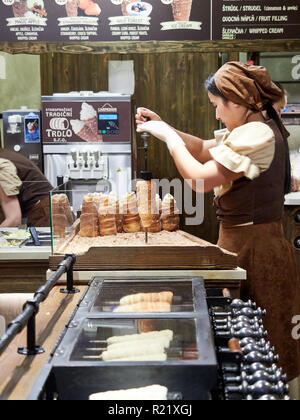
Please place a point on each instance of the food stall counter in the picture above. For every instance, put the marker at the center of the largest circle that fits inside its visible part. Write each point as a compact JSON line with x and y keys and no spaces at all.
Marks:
{"x":18,"y":372}
{"x":230,"y":279}
{"x":23,"y":265}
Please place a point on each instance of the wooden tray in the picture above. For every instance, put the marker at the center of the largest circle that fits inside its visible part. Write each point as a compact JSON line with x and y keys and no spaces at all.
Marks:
{"x":202,"y":256}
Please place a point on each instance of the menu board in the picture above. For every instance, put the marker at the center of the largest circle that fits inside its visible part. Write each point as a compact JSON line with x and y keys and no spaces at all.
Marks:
{"x":104,"y":20}
{"x":256,"y":19}
{"x":150,"y":20}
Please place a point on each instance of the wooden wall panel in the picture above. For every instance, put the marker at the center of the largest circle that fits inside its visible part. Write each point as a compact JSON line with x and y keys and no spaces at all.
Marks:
{"x":171,"y":84}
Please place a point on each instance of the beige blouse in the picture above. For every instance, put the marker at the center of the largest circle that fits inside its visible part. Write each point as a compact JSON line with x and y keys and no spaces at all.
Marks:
{"x":9,"y":180}
{"x":248,"y":149}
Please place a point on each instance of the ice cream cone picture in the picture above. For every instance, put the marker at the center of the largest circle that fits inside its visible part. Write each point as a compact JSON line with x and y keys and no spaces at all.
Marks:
{"x":182,"y":10}
{"x":83,"y":131}
{"x":89,"y":116}
{"x":72,"y":8}
{"x":20,"y":8}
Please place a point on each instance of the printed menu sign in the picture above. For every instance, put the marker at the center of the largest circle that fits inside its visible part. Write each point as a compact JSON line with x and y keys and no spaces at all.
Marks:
{"x":24,"y":20}
{"x":49,"y":20}
{"x":256,"y":19}
{"x":160,"y":20}
{"x":104,"y":20}
{"x":150,"y":20}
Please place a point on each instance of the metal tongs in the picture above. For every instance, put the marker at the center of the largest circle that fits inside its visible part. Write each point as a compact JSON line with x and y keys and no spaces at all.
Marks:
{"x":34,"y":236}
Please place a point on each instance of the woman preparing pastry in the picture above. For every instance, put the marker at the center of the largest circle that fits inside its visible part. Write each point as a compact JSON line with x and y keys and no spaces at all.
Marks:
{"x":24,"y":191}
{"x":247,"y":164}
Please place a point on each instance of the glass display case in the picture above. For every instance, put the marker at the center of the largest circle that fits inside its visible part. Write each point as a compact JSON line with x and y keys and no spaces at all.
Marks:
{"x":144,"y":295}
{"x":102,"y":350}
{"x":148,"y":340}
{"x":105,"y":232}
{"x":90,"y":358}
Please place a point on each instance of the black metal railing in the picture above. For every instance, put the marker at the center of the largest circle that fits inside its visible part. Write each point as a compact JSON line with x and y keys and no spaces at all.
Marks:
{"x":31,"y":308}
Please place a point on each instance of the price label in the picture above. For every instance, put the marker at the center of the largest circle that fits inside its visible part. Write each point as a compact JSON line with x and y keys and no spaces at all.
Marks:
{"x":167,"y":1}
{"x":117,"y":2}
{"x":8,"y":2}
{"x":61,"y":2}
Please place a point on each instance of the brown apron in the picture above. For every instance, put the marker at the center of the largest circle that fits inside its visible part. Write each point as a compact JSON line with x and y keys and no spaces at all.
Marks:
{"x":272,"y":282}
{"x":39,"y":215}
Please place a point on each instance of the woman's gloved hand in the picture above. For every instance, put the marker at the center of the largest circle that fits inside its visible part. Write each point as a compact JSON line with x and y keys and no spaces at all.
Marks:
{"x":143,"y":115}
{"x":163,"y":132}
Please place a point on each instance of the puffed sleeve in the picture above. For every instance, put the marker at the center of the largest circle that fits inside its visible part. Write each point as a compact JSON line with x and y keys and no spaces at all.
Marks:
{"x":9,"y":180}
{"x":248,"y":149}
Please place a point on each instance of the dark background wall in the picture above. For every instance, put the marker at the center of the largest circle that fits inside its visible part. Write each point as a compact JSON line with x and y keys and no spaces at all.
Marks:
{"x":172,"y":84}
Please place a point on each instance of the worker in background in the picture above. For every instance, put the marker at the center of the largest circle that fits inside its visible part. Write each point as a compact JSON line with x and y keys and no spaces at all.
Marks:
{"x":281,"y":104}
{"x":24,"y":192}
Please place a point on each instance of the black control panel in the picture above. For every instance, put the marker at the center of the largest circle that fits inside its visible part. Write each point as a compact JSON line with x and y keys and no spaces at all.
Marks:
{"x":108,"y":124}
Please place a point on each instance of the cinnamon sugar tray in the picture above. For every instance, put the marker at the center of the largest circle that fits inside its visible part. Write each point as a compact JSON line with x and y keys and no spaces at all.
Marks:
{"x":80,"y":245}
{"x":128,"y":251}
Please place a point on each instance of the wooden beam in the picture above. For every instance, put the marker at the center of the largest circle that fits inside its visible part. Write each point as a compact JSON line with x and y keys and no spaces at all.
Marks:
{"x":150,"y":46}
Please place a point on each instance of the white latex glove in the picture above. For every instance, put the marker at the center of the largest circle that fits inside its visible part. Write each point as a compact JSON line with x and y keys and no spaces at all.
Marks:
{"x":163,"y":132}
{"x":143,"y":113}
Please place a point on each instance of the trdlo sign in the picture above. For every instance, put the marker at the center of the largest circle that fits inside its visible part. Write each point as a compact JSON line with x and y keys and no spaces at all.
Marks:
{"x":150,"y":20}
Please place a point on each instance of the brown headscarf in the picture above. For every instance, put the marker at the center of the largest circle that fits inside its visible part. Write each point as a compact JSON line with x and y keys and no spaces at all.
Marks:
{"x":247,"y":85}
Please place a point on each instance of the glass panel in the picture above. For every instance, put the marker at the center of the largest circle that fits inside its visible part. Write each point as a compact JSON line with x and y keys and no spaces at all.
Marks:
{"x":64,"y":216}
{"x":136,"y":340}
{"x":146,"y":296}
{"x":102,"y":220}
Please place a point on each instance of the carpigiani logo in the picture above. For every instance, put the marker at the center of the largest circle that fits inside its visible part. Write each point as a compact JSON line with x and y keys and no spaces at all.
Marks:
{"x":107,"y":108}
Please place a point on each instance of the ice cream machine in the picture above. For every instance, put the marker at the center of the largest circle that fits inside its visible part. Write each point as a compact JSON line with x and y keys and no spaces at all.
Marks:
{"x":22,"y":133}
{"x":87,"y":142}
